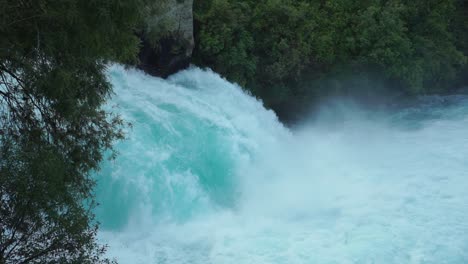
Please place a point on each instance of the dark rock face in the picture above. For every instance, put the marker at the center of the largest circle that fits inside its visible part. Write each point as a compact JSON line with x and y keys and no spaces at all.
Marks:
{"x":163,"y":60}
{"x":173,"y":50}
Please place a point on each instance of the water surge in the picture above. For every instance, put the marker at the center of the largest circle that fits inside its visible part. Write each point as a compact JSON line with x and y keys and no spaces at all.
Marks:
{"x":207,"y":175}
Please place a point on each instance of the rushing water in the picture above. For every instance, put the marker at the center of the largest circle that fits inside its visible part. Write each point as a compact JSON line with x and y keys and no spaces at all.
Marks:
{"x":207,"y":175}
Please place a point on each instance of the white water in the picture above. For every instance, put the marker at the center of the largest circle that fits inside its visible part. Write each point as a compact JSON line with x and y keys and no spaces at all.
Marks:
{"x":209,"y":176}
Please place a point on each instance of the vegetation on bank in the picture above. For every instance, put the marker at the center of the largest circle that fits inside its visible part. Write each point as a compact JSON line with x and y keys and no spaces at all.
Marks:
{"x":53,"y":129}
{"x":291,"y":52}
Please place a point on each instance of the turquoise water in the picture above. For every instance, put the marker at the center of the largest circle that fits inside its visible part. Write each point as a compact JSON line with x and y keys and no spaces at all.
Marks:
{"x":207,"y":175}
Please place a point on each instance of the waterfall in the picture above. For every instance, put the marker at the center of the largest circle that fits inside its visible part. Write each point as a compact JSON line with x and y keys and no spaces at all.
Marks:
{"x":208,"y":175}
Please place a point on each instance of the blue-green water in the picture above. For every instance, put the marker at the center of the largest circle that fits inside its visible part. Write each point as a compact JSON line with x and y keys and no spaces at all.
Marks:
{"x":207,"y":175}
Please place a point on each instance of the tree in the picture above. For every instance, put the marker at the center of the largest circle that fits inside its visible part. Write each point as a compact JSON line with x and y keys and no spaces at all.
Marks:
{"x":460,"y":32}
{"x":223,"y":39}
{"x":53,"y":129}
{"x":281,"y":50}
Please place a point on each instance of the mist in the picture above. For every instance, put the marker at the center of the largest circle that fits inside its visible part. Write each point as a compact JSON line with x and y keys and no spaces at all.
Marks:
{"x":210,"y":176}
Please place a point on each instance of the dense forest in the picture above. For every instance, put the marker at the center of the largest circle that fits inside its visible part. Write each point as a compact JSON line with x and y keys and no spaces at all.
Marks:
{"x":289,"y":53}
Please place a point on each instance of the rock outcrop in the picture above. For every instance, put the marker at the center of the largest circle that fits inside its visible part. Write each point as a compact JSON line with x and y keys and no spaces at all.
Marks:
{"x":168,"y":42}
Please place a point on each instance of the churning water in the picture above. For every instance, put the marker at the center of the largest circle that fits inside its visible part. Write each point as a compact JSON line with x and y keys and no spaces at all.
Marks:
{"x":207,"y":175}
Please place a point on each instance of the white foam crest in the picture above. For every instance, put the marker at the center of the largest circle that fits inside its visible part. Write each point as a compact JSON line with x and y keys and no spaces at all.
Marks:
{"x":357,"y":189}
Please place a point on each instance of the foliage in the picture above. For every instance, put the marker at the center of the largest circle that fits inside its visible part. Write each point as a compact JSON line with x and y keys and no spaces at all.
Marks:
{"x":272,"y":47}
{"x":52,"y":125}
{"x":226,"y":43}
{"x":460,"y":29}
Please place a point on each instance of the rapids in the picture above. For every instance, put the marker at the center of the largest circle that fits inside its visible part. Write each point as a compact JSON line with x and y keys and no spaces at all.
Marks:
{"x":208,"y":175}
